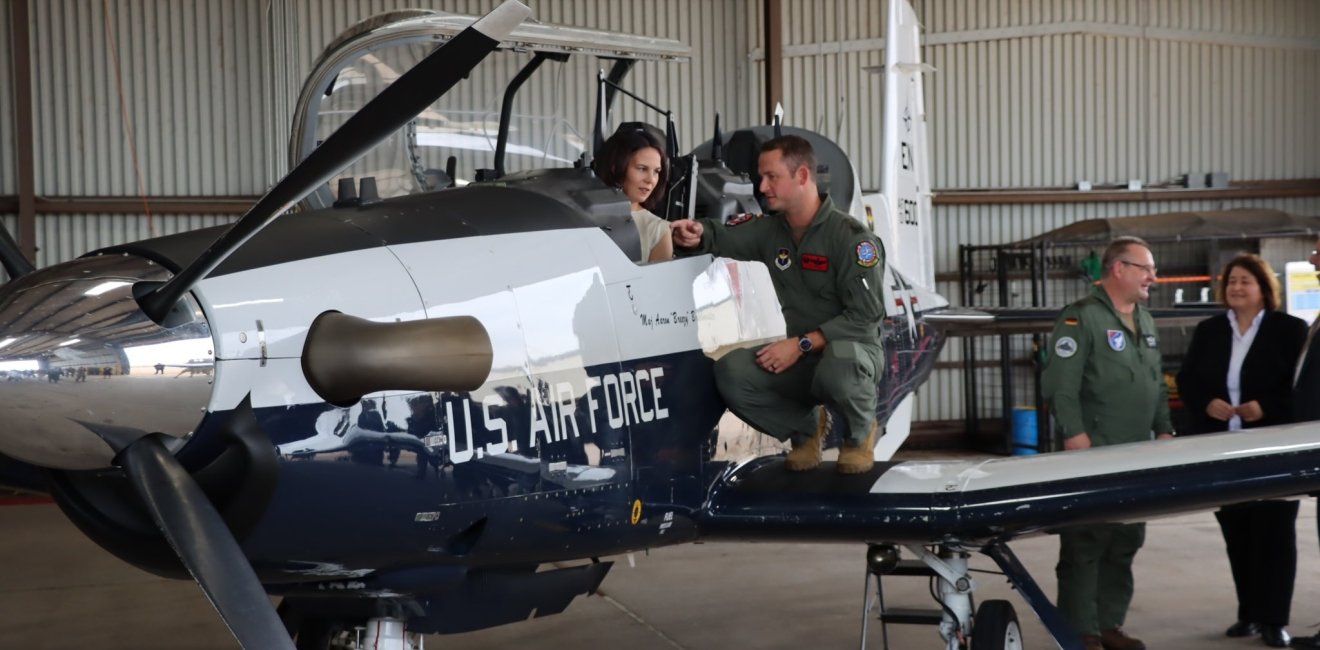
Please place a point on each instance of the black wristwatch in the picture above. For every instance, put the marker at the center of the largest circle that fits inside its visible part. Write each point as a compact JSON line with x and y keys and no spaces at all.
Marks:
{"x":804,"y":344}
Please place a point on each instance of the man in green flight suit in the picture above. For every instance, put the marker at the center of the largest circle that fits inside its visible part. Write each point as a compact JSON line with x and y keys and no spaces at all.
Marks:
{"x":828,"y":270}
{"x":1105,"y":386}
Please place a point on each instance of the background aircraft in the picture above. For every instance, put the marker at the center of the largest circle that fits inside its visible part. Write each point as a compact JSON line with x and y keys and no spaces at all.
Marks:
{"x":421,"y":402}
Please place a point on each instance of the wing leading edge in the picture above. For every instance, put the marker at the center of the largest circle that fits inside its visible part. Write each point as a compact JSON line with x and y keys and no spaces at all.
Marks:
{"x":975,"y":321}
{"x":984,"y":501}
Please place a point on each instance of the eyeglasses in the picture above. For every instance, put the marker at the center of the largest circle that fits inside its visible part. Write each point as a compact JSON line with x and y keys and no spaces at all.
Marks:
{"x":1149,"y":268}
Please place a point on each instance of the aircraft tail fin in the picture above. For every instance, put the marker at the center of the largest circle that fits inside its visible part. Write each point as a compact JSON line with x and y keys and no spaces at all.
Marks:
{"x":902,"y":210}
{"x":900,"y":213}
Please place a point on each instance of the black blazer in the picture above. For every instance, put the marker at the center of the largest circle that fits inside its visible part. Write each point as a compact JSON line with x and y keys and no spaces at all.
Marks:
{"x":1267,"y":371}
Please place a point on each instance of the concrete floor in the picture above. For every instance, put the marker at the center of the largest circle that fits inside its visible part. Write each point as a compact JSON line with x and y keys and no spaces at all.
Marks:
{"x":59,"y":591}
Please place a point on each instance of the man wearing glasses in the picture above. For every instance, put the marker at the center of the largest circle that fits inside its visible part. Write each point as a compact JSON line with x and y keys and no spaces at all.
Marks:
{"x":1105,"y":386}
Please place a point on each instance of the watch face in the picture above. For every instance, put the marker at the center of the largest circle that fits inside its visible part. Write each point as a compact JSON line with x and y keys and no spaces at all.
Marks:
{"x":804,"y":344}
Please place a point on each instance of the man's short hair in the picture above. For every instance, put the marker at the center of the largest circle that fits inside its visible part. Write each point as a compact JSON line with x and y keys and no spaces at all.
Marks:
{"x":1259,"y":269}
{"x":1119,"y":246}
{"x":796,"y":151}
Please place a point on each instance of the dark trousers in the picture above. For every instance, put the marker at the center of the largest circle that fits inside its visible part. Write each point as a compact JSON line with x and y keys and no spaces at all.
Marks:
{"x":1262,"y":551}
{"x":1095,"y":574}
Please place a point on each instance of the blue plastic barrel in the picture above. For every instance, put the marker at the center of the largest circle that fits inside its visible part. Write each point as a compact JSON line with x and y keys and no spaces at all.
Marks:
{"x":1024,"y":431}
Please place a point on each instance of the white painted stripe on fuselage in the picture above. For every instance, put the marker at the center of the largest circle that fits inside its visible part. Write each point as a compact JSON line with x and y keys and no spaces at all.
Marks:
{"x":553,"y":302}
{"x":968,"y":476}
{"x":286,"y":298}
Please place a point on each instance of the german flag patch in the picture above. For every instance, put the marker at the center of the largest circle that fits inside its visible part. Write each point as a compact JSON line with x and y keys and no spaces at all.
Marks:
{"x":1070,"y":321}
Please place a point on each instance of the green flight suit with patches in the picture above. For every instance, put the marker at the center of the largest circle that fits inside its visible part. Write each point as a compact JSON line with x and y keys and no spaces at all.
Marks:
{"x":1107,"y":381}
{"x":833,"y":282}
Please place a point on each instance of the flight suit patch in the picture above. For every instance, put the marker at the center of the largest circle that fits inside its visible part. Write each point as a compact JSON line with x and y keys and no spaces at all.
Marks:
{"x":1065,"y":347}
{"x":1070,"y":321}
{"x":783,"y":259}
{"x":867,"y":256}
{"x":739,"y":220}
{"x":815,"y":262}
{"x":1151,"y":342}
{"x":1117,"y":342}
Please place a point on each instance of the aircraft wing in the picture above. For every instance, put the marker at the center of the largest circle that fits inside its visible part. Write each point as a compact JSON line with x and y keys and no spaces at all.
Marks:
{"x":963,"y":321}
{"x":977,"y":502}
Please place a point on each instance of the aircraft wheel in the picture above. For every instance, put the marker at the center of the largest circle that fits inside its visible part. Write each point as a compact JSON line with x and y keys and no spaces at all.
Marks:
{"x":320,"y":634}
{"x":996,"y":627}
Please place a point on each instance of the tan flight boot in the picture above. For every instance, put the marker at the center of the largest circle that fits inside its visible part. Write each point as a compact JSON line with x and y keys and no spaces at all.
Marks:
{"x":857,"y":459}
{"x":1117,"y":639}
{"x":805,"y":456}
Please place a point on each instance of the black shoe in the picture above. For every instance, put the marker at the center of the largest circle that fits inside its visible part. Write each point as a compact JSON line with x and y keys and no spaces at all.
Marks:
{"x":1275,"y":636}
{"x":1241,"y":629}
{"x":1306,"y":642}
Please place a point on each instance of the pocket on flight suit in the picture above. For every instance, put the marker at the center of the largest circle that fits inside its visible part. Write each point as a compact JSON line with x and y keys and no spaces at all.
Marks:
{"x":858,"y":356}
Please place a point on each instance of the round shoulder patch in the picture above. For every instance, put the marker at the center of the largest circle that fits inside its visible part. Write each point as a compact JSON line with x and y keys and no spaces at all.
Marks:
{"x":1065,"y":347}
{"x":867,"y":255}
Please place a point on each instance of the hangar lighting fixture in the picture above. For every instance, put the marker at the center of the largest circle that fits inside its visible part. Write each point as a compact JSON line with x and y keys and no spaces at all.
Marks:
{"x":8,"y":342}
{"x":69,"y":342}
{"x":105,"y":286}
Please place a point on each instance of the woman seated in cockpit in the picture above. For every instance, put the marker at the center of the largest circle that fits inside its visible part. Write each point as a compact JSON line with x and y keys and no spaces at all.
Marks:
{"x":634,"y":161}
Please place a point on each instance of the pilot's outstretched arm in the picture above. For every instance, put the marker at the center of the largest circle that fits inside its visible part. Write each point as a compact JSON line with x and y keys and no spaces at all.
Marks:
{"x":743,"y":238}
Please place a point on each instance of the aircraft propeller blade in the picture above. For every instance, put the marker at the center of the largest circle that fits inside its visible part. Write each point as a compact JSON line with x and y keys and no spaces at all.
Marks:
{"x":389,"y":111}
{"x":11,"y":256}
{"x":202,"y":540}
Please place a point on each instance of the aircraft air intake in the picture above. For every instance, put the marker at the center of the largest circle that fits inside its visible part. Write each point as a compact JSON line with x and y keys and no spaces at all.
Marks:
{"x":346,"y":357}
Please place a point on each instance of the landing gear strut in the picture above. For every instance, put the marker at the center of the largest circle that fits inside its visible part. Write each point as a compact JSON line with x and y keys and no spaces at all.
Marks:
{"x":320,"y":633}
{"x":995,"y":624}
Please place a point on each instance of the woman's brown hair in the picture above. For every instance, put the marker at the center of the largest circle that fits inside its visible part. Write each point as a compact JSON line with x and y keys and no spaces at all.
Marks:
{"x":1259,"y":269}
{"x":612,"y":163}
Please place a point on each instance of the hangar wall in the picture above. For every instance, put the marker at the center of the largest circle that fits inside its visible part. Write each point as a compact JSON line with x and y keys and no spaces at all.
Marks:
{"x":8,"y":182}
{"x":1043,"y":95}
{"x":1027,"y":95}
{"x":713,"y":81}
{"x":189,"y":73}
{"x":210,"y":88}
{"x":1102,"y":91}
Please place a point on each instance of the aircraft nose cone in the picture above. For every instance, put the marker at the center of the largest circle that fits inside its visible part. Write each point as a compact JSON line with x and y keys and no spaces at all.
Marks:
{"x":80,"y":361}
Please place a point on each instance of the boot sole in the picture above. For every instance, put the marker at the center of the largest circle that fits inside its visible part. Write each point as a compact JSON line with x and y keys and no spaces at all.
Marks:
{"x":801,"y":467}
{"x":854,"y":469}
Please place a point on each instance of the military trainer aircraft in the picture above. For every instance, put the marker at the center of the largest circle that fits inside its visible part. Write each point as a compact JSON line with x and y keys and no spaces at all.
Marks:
{"x":411,"y":417}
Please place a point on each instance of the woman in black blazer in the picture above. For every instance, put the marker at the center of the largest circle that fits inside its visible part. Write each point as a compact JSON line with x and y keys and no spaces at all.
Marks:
{"x":1237,"y":375}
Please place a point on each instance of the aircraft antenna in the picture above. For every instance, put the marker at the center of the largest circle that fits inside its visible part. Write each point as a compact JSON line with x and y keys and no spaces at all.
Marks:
{"x":388,"y":112}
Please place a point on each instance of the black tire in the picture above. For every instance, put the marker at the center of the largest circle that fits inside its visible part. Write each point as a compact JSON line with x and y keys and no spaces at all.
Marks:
{"x":996,"y":627}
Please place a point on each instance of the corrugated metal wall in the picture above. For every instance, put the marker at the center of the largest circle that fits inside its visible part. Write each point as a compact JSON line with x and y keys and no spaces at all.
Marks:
{"x":713,"y":81}
{"x":1047,"y":94}
{"x":186,"y":73}
{"x":8,"y":175}
{"x":1026,"y":95}
{"x":1030,"y":95}
{"x":66,"y":236}
{"x":942,"y":398}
